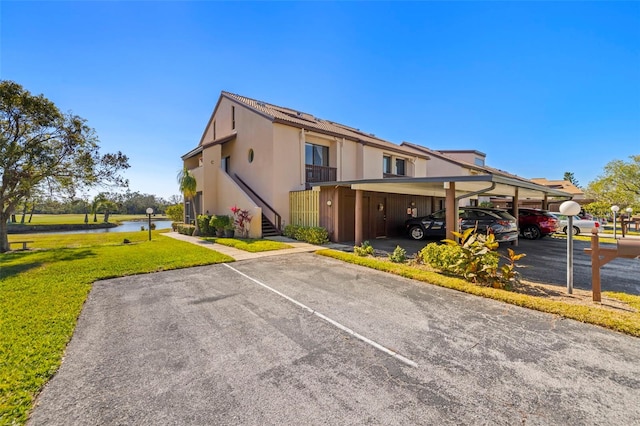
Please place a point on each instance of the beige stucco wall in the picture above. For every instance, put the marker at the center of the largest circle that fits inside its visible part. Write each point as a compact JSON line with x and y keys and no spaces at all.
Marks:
{"x":229,"y":194}
{"x":469,"y":157}
{"x":438,"y":167}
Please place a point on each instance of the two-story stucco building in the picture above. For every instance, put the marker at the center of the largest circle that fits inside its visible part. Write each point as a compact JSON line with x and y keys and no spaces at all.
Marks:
{"x":287,"y":166}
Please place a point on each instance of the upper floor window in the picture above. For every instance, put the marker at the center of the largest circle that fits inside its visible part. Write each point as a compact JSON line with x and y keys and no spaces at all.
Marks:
{"x":316,"y":155}
{"x":400,"y":169}
{"x":478,"y":161}
{"x":214,"y":130}
{"x":386,"y":164}
{"x":233,"y":117}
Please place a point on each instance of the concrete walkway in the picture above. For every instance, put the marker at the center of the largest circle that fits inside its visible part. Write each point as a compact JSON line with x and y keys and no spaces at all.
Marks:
{"x":298,"y":247}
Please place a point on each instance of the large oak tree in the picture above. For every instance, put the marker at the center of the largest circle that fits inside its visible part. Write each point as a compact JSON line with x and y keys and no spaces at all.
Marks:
{"x":41,"y":146}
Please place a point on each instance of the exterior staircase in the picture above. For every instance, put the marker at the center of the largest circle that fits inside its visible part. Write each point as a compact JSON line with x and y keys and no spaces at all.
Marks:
{"x":268,"y":230}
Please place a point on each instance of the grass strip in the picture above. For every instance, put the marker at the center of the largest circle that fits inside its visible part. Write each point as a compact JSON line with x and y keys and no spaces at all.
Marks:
{"x":250,"y":245}
{"x":77,"y":219}
{"x":43,"y":291}
{"x":625,"y":322}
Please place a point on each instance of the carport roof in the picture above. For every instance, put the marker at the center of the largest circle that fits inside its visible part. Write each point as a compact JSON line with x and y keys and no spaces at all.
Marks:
{"x":486,"y":185}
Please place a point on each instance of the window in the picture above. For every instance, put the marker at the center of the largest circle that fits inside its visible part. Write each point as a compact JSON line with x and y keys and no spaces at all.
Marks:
{"x":316,"y":155}
{"x":478,"y":161}
{"x":400,"y":167}
{"x":233,"y":117}
{"x":214,"y":130}
{"x":386,"y":164}
{"x":224,"y":164}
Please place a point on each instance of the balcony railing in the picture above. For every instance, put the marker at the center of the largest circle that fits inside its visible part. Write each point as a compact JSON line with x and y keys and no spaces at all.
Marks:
{"x":320,"y":173}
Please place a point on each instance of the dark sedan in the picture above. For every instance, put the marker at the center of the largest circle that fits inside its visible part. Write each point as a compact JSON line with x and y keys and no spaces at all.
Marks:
{"x":495,"y":221}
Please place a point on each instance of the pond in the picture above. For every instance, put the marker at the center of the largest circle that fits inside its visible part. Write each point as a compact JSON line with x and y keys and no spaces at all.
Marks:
{"x":126,"y":226}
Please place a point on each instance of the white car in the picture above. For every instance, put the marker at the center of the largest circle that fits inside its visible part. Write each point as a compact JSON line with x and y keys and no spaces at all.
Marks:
{"x":583,"y":226}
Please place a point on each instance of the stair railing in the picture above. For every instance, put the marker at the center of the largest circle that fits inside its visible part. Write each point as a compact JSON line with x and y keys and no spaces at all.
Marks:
{"x":278,"y":219}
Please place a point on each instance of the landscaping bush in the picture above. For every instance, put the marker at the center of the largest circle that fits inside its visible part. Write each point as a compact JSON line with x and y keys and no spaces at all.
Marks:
{"x":440,"y":256}
{"x":473,"y":257}
{"x":290,"y":231}
{"x":309,"y":234}
{"x":219,"y":223}
{"x":186,"y":229}
{"x":365,"y":249}
{"x":399,"y":255}
{"x":312,"y":234}
{"x":174,"y":225}
{"x":203,"y":224}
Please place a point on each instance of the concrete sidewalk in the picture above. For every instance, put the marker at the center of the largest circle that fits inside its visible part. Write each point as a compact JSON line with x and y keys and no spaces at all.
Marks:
{"x":298,"y":247}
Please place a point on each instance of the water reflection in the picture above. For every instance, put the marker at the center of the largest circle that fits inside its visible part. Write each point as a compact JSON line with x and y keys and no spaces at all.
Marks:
{"x":126,"y":226}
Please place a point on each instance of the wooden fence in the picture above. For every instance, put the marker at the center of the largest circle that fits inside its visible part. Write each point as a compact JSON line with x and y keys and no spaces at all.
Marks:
{"x":304,"y":208}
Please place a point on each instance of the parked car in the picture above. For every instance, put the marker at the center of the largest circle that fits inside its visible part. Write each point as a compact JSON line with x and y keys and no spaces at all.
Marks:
{"x":536,"y":223}
{"x":499,"y":222}
{"x":579,"y":225}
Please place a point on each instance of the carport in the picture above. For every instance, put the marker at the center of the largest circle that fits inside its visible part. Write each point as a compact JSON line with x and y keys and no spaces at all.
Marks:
{"x":451,"y":188}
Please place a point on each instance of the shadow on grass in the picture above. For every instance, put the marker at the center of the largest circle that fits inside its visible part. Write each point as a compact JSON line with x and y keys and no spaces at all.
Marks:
{"x":34,"y":259}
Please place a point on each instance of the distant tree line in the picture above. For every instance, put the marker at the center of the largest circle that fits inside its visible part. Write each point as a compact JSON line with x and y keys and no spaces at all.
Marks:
{"x":103,"y":203}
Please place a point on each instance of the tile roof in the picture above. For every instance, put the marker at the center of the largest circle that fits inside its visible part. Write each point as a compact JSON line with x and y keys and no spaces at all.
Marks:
{"x":563,"y":185}
{"x":309,"y":122}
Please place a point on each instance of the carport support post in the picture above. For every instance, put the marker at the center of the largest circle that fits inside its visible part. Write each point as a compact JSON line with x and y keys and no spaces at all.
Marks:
{"x":595,"y":265}
{"x":358,"y":218}
{"x":515,"y":201}
{"x":451,"y":205}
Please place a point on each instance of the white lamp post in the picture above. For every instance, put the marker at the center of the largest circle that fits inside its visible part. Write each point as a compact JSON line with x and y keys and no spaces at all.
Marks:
{"x":570,"y":209}
{"x":615,"y":210}
{"x":629,"y":210}
{"x":149,"y":213}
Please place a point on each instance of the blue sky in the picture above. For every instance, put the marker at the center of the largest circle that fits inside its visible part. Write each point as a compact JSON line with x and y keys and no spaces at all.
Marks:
{"x":540,"y":87}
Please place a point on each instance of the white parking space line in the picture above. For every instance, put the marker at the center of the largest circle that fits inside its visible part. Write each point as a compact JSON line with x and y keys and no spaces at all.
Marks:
{"x":358,"y":336}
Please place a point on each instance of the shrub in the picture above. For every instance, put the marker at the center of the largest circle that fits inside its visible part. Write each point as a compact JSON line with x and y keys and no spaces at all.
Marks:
{"x":399,"y":255}
{"x":312,"y":234}
{"x":174,"y":225}
{"x":475,"y":258}
{"x":219,"y":222}
{"x":186,"y":229}
{"x":440,"y":256}
{"x":365,"y":249}
{"x":242,"y":220}
{"x":309,"y":234}
{"x":203,"y":224}
{"x":290,"y":231}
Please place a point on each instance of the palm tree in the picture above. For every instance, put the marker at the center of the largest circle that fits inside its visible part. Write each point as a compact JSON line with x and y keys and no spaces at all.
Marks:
{"x":188,"y":186}
{"x":96,"y":204}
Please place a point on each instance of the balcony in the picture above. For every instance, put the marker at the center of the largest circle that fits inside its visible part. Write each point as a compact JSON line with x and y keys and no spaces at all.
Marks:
{"x":319,"y":174}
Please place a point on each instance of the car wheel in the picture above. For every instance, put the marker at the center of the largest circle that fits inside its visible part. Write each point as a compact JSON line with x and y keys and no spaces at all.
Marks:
{"x":531,"y":232}
{"x":576,"y":230}
{"x":416,"y":233}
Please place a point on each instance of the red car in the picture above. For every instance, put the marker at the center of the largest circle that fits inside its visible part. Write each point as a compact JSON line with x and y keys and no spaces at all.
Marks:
{"x":536,"y":223}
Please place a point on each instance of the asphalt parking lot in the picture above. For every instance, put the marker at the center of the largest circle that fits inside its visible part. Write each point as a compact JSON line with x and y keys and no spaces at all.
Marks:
{"x":546,"y":262}
{"x":304,"y":339}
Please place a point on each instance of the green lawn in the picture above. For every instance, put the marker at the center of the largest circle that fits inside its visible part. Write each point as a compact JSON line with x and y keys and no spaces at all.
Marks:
{"x":75,"y":219}
{"x":43,"y":291}
{"x":250,"y":245}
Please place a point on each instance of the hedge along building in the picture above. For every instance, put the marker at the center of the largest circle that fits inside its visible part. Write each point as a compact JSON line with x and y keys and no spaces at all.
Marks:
{"x":289,"y":167}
